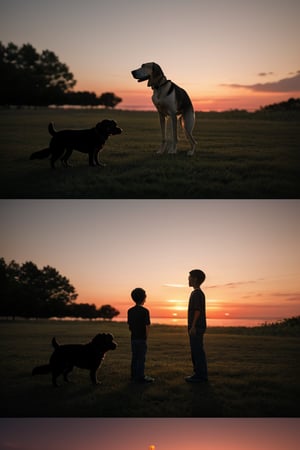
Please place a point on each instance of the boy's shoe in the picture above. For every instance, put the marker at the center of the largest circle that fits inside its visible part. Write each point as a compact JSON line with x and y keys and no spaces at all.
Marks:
{"x":146,"y":379}
{"x":195,"y":379}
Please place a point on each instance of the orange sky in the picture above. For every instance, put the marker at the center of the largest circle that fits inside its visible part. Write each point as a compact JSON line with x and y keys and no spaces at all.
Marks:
{"x":139,"y":434}
{"x":249,"y":251}
{"x":225,"y":53}
{"x":220,"y":100}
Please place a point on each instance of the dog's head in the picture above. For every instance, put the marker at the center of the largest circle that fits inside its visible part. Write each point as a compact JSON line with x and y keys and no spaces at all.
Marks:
{"x":151,"y":72}
{"x":108,"y":127}
{"x":104,"y":342}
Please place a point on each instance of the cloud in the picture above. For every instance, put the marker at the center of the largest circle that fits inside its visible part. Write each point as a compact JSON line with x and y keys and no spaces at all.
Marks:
{"x":290,"y":296}
{"x":175,"y":285}
{"x":233,"y":284}
{"x":264,"y":74}
{"x":291,"y":84}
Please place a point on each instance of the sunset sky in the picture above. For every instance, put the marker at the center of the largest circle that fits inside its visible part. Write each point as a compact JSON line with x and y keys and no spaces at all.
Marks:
{"x":225,"y":53}
{"x":139,"y":434}
{"x":249,"y":251}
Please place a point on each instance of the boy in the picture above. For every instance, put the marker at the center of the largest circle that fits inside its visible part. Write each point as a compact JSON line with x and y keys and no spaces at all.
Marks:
{"x":139,"y":323}
{"x":197,"y":327}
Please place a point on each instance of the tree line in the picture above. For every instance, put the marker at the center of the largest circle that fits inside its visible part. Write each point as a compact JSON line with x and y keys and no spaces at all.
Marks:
{"x":292,"y":104}
{"x":29,"y":292}
{"x":40,"y":79}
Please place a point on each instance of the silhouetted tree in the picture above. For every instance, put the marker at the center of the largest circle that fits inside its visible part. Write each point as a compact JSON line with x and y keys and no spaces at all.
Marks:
{"x":107,"y":312}
{"x":83,"y":310}
{"x":83,"y":98}
{"x":29,"y":78}
{"x":27,"y":291}
{"x":109,"y":100}
{"x":292,"y":104}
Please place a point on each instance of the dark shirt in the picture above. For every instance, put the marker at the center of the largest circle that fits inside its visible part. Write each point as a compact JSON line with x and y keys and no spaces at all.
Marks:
{"x":138,"y":319}
{"x":197,"y":303}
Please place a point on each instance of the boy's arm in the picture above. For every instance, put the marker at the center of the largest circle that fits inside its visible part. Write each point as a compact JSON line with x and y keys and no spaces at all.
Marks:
{"x":195,"y":318}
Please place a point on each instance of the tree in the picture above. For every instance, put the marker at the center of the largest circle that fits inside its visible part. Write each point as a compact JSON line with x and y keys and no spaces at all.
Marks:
{"x":29,"y":78}
{"x":292,"y":104}
{"x":28,"y":291}
{"x":108,"y":312}
{"x":83,"y":98}
{"x":83,"y":311}
{"x":109,"y":100}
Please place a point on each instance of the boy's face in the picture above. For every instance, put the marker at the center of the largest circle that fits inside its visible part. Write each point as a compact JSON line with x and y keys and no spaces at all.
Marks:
{"x":143,"y":301}
{"x":193,"y":281}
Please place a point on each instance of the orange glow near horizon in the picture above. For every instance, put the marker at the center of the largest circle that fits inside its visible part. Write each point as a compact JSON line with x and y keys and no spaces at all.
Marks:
{"x":203,"y":98}
{"x":227,"y":306}
{"x":135,"y":433}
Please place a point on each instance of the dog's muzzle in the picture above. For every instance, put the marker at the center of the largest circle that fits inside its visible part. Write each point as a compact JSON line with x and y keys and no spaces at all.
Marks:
{"x":140,"y":75}
{"x":117,"y":130}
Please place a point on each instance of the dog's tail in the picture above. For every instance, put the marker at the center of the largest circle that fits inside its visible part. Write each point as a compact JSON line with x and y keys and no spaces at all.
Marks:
{"x":55,"y":344}
{"x":51,"y":129}
{"x":41,"y":370}
{"x":41,"y":154}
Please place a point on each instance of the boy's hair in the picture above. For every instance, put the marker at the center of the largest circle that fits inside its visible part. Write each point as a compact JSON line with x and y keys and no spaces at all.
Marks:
{"x":198,"y":274}
{"x":138,"y":295}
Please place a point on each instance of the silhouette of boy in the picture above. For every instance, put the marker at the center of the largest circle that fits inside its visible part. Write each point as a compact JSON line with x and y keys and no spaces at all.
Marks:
{"x":197,"y":327}
{"x":138,"y":319}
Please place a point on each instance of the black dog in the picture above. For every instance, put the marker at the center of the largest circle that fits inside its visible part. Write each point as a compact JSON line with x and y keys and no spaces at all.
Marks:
{"x":88,"y":356}
{"x":89,"y":141}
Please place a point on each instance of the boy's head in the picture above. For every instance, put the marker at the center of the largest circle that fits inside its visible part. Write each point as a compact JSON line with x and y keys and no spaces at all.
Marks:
{"x":138,"y":295}
{"x":196,"y":277}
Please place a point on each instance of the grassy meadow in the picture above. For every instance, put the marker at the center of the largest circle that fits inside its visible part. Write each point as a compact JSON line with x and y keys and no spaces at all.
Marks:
{"x":250,"y":375}
{"x":237,"y":156}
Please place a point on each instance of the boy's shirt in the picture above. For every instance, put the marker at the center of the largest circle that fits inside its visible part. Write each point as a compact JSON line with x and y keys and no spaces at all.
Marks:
{"x":138,"y":319}
{"x":197,"y":302}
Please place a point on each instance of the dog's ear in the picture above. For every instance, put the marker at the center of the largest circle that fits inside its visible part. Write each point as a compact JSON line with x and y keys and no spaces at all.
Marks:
{"x":156,"y":75}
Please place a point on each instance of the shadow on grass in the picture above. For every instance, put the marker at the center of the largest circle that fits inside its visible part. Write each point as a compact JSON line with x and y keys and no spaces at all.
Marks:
{"x":125,"y":399}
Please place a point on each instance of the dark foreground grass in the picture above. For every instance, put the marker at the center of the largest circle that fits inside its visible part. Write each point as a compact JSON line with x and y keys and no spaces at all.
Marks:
{"x":250,"y":376}
{"x":237,"y":157}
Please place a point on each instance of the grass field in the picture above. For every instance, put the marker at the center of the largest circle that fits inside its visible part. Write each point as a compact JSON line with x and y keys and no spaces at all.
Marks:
{"x":250,"y":375}
{"x":247,"y":156}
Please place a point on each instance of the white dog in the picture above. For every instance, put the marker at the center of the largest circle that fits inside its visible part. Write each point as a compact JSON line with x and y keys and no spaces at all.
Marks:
{"x":170,"y":100}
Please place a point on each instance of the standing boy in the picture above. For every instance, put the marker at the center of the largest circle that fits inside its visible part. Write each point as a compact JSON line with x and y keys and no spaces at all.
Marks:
{"x":197,"y":327}
{"x":139,"y":323}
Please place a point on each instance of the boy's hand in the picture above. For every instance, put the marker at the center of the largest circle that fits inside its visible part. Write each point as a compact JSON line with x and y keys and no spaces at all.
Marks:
{"x":192,"y":331}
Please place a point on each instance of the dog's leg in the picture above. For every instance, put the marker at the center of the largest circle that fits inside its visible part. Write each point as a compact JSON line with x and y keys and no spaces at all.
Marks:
{"x":65,"y":157}
{"x":57,"y":152}
{"x":55,"y":374}
{"x":163,"y":146}
{"x":96,"y":158}
{"x":93,"y":376}
{"x":188,"y":121}
{"x":91,"y":158}
{"x":66,"y":372}
{"x":173,"y":148}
